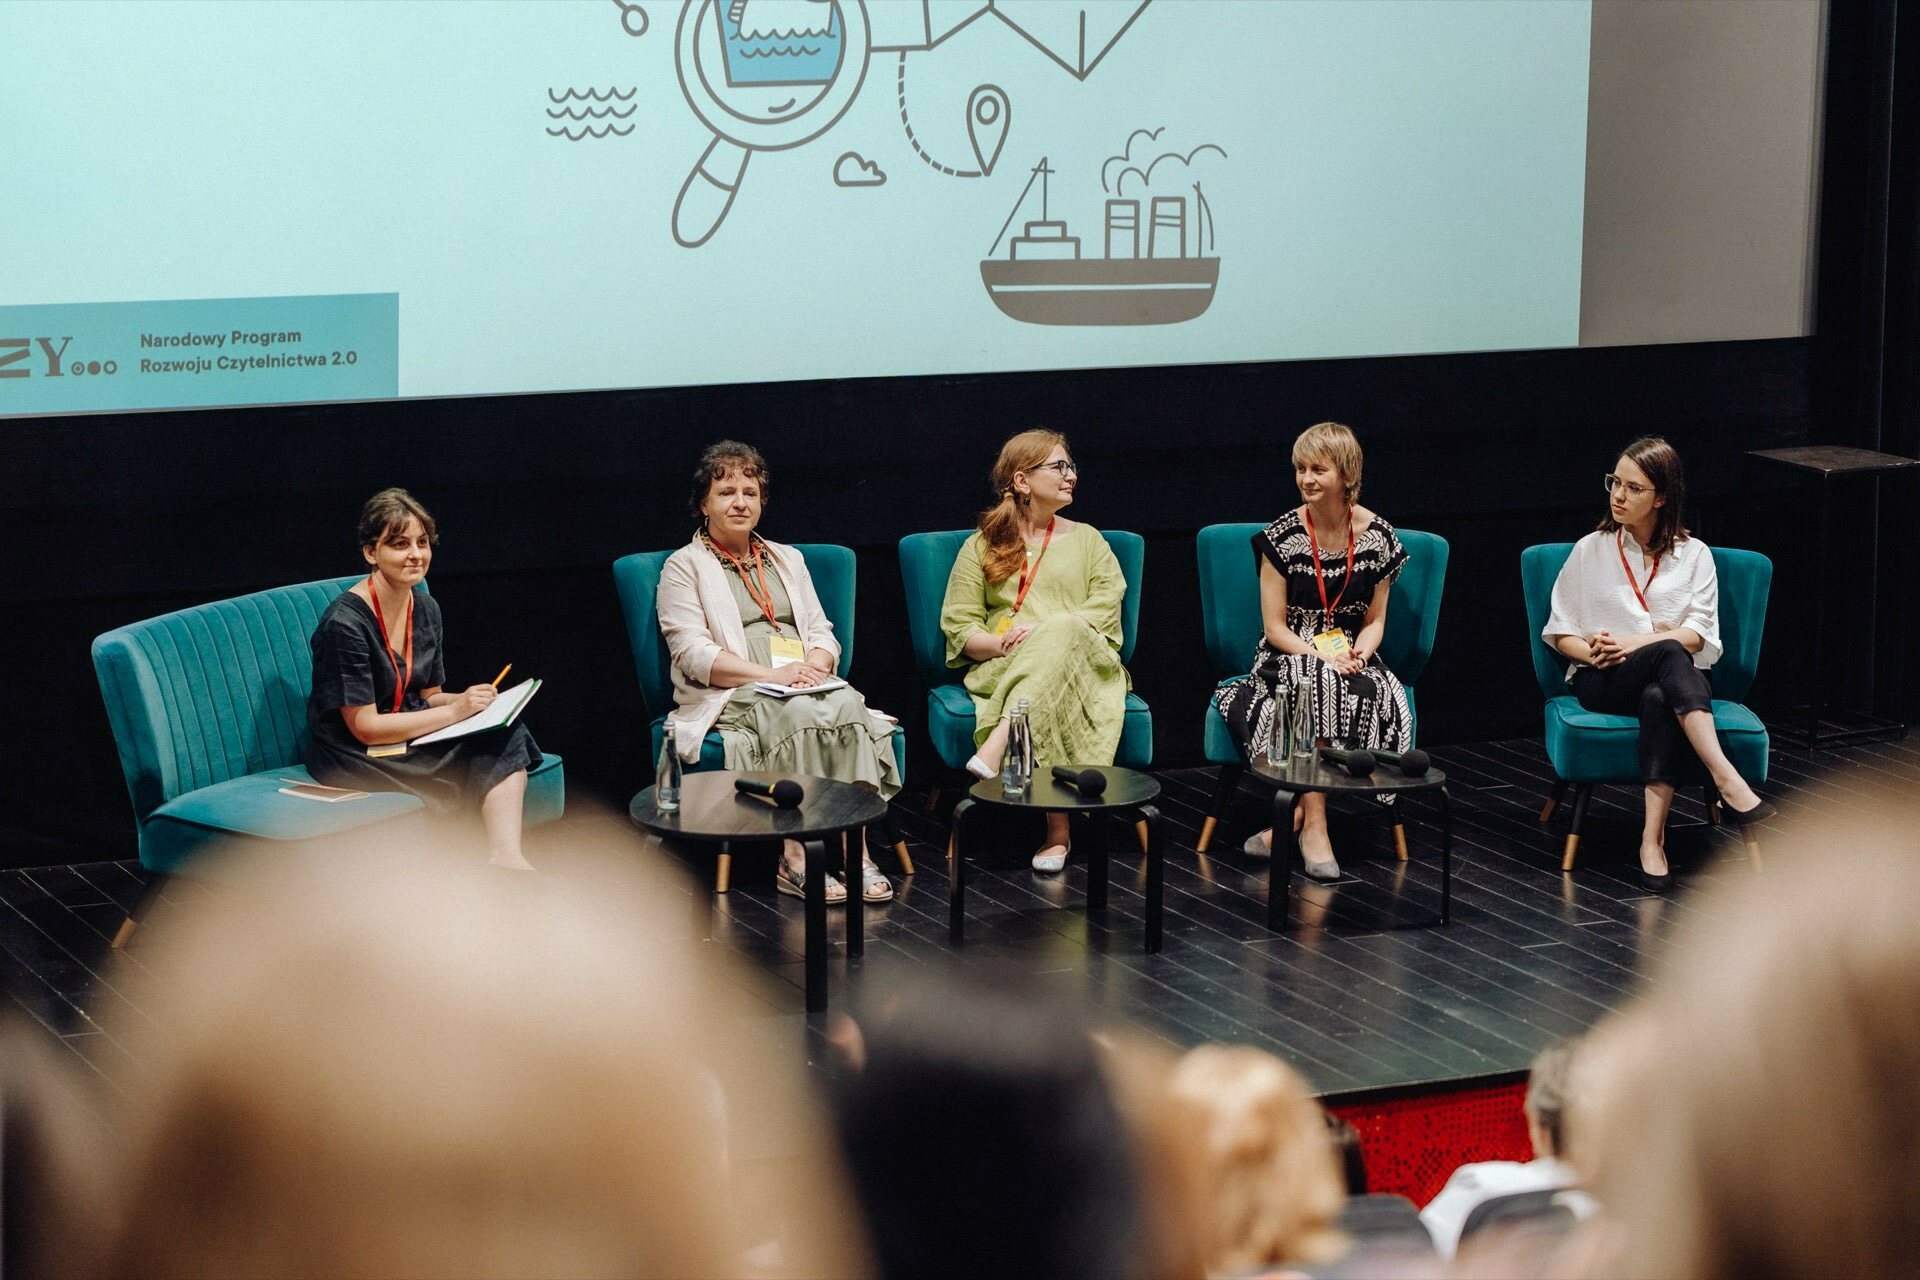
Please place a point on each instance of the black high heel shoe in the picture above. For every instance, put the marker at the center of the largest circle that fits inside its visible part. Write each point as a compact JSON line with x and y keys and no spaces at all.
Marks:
{"x":1656,"y":884}
{"x":1758,"y":814}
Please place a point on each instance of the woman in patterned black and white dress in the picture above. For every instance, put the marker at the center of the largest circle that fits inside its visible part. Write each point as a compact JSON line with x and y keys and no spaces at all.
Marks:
{"x":1325,"y":571}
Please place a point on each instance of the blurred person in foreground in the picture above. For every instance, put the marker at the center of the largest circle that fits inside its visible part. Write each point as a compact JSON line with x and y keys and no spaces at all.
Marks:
{"x":985,"y":1139}
{"x":1270,"y":1184}
{"x":382,"y":1066}
{"x":1474,"y":1184}
{"x":1770,"y":1124}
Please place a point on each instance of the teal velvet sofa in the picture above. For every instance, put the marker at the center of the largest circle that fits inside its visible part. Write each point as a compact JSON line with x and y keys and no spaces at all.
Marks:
{"x":1230,"y":622}
{"x":208,"y":708}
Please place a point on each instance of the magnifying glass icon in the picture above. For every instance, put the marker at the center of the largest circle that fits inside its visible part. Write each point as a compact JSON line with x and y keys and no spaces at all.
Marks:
{"x":763,"y":75}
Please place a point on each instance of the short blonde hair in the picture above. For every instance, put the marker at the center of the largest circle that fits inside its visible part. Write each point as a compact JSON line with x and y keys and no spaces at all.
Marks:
{"x":1272,"y":1188}
{"x":1337,"y":444}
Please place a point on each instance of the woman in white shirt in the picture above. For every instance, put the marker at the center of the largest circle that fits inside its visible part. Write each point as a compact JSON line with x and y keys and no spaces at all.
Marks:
{"x":1637,"y":609}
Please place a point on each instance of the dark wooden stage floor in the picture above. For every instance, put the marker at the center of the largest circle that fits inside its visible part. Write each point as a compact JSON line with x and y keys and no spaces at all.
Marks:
{"x":1354,"y":1001}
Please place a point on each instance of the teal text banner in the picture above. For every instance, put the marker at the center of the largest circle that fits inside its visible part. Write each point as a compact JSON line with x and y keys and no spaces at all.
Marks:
{"x":92,"y":357}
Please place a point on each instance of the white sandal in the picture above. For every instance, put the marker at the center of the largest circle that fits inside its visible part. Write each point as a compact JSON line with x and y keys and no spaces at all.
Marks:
{"x":793,"y":883}
{"x":874,"y":887}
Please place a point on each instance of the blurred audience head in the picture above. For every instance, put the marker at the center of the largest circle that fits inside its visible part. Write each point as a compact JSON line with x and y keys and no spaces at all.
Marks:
{"x":1773,"y":1128}
{"x":1547,"y":1099}
{"x":1271,"y":1186}
{"x":402,"y":1068}
{"x":55,"y":1150}
{"x":984,"y":1139}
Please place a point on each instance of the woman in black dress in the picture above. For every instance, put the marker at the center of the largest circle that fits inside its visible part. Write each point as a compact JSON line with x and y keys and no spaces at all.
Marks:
{"x":377,"y":677}
{"x":1325,"y":570}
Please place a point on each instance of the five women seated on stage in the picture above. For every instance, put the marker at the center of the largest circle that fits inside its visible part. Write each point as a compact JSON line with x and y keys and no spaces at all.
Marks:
{"x":1032,"y":613}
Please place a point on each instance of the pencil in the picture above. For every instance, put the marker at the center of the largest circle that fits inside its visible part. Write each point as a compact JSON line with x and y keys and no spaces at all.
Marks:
{"x":503,"y":675}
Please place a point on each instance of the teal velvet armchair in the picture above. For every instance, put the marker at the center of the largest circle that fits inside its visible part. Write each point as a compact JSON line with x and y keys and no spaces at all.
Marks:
{"x":1586,"y":747}
{"x":637,"y":579}
{"x":208,"y":708}
{"x":1230,"y":619}
{"x":926,"y":562}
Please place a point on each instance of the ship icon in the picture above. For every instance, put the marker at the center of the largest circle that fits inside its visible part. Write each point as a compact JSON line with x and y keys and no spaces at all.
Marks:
{"x":1045,"y":280}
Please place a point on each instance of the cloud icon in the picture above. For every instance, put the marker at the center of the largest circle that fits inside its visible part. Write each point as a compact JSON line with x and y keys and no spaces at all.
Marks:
{"x":851,"y":171}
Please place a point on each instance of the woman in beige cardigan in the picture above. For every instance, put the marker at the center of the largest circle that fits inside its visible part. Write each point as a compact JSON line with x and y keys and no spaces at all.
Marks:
{"x":737,"y":609}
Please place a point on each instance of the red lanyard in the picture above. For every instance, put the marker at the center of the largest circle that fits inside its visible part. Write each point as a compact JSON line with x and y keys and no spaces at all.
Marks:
{"x":1638,"y":594}
{"x":401,"y":681}
{"x":764,"y":595}
{"x":1032,"y":571}
{"x":1319,"y":574}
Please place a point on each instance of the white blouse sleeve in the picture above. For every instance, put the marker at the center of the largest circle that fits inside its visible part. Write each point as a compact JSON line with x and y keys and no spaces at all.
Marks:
{"x":1702,"y":614}
{"x":1563,"y":617}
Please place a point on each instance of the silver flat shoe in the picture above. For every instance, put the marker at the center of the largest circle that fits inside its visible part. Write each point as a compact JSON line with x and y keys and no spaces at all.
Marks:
{"x":1328,"y":870}
{"x":1254,"y":848}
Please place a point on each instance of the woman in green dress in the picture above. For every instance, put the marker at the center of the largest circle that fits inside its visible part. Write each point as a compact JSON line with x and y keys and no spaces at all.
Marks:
{"x":737,"y":609}
{"x":1033,"y":612}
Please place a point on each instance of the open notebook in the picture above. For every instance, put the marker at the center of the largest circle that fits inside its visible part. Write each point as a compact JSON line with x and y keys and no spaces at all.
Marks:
{"x":503,"y":711}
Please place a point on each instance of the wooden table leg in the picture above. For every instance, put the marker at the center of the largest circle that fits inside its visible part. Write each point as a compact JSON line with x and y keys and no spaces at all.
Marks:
{"x":1156,"y":877}
{"x":957,"y":872}
{"x":815,"y":893}
{"x":1094,"y":828}
{"x":851,"y":842}
{"x":1280,"y":861}
{"x":703,"y":904}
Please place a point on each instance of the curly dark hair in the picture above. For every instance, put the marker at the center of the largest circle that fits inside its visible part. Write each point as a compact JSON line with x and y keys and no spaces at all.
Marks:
{"x":721,"y":457}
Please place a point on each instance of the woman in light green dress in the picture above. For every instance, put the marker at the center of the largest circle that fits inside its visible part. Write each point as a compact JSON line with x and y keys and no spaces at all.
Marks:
{"x":738,"y":610}
{"x":1033,"y":612}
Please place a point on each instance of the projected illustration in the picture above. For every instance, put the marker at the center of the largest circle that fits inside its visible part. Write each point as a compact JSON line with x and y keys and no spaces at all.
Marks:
{"x":579,"y":114}
{"x":1161,"y":271}
{"x":768,"y":75}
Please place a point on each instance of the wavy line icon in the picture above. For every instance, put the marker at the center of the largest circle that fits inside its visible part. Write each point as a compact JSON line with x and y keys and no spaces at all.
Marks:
{"x":611,"y":131}
{"x":591,"y":94}
{"x":592,"y":113}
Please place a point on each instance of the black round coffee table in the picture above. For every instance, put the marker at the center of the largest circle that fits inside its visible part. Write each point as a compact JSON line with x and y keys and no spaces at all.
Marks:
{"x":1127,"y":791}
{"x":1298,"y":777}
{"x":713,"y":812}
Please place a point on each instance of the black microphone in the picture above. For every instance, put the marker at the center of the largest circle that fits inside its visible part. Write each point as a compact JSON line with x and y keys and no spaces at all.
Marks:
{"x":1088,"y":782}
{"x":1413,"y":763}
{"x":786,"y":793}
{"x":1357,"y":763}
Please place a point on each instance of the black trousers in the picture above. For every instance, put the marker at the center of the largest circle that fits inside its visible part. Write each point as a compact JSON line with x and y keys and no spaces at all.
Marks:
{"x":1657,"y":683}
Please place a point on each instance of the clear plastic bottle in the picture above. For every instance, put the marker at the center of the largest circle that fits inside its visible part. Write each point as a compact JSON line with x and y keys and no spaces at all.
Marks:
{"x":1280,"y":729}
{"x":1300,"y":713}
{"x":666,"y":773}
{"x":1016,"y":766}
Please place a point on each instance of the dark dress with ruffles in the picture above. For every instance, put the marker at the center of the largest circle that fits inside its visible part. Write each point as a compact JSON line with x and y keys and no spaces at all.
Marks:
{"x":1366,"y":709}
{"x":352,"y":667}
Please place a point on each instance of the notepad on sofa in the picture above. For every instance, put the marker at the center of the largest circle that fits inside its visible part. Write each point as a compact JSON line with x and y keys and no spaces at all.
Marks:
{"x":773,"y":690}
{"x":502,"y":711}
{"x":317,"y":791}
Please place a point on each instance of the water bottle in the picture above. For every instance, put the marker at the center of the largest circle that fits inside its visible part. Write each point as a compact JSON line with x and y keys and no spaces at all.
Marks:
{"x":1300,"y":712}
{"x":1280,"y":729}
{"x":666,"y":773}
{"x":1016,"y":766}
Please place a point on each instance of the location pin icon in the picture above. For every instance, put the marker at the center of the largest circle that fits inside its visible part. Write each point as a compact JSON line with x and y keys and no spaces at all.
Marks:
{"x":988,"y":116}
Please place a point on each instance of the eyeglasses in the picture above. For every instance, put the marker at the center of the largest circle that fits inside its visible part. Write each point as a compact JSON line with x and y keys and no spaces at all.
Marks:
{"x":1612,"y":482}
{"x":1062,"y":468}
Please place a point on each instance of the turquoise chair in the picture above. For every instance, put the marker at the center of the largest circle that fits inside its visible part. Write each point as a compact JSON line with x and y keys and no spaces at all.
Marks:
{"x":926,"y":562}
{"x":1230,"y":618}
{"x":637,"y":578}
{"x":1586,"y":747}
{"x":208,"y":708}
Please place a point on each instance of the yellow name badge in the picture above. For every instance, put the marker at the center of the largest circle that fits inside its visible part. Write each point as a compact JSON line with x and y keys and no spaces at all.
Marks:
{"x":785,"y":649}
{"x":1331,"y":644}
{"x":1003,"y":626}
{"x":391,"y":749}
